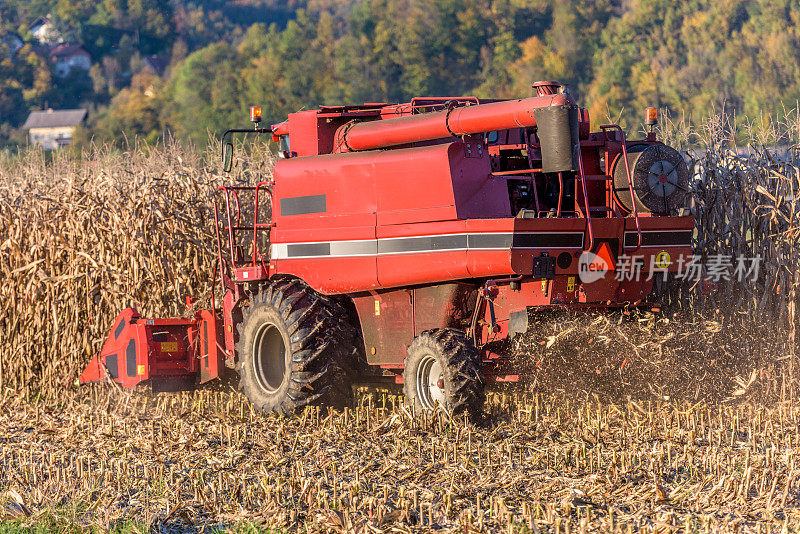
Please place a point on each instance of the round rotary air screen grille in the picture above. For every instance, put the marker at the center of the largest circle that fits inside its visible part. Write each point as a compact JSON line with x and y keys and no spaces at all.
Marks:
{"x":660,"y":179}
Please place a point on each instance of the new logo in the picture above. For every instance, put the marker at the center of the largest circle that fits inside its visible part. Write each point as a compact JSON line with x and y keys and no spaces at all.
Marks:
{"x":593,"y":266}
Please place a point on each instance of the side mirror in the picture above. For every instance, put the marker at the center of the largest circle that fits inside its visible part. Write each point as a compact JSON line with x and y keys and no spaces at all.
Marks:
{"x":227,"y":156}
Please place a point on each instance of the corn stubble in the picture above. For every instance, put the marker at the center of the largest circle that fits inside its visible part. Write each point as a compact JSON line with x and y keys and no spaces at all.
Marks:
{"x":181,"y":462}
{"x":634,"y":422}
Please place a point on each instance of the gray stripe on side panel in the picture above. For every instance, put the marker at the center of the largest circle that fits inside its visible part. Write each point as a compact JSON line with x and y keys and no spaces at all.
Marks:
{"x":303,"y":205}
{"x":420,"y":244}
{"x":660,"y":238}
{"x":549,"y":240}
{"x":425,"y":244}
{"x":308,"y":249}
{"x":478,"y":241}
{"x":354,"y":248}
{"x":333,"y":248}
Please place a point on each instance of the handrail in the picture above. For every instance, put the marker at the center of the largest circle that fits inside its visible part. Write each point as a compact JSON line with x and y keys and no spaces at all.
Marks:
{"x":238,"y":207}
{"x":237,"y":226}
{"x":222,"y":262}
{"x":255,"y":219}
{"x":586,"y":202}
{"x":230,"y":224}
{"x":433,"y":101}
{"x":213,"y":285}
{"x":533,"y":172}
{"x":617,"y":127}
{"x":516,"y":172}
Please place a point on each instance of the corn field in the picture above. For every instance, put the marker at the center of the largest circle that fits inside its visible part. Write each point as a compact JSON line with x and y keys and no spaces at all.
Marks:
{"x":81,"y":238}
{"x":745,"y":203}
{"x":681,"y":422}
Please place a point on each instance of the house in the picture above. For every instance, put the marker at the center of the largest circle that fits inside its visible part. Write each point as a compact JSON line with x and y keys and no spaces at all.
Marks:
{"x":68,"y":57}
{"x":51,"y":129}
{"x":44,"y":31}
{"x":156,"y":65}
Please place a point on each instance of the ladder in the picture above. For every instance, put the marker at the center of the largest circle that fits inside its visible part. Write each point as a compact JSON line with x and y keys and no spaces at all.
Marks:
{"x":607,"y":128}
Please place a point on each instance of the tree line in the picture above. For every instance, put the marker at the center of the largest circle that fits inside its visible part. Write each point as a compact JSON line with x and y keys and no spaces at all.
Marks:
{"x":616,"y":56}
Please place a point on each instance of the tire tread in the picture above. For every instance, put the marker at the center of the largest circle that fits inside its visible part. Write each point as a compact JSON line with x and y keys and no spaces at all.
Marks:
{"x":320,"y":340}
{"x":462,"y":363}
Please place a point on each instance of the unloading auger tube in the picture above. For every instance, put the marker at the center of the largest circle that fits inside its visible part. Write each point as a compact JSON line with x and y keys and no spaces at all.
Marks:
{"x":455,"y":122}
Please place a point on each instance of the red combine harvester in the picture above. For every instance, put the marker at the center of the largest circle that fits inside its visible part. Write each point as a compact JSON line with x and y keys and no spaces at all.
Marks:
{"x":408,"y":243}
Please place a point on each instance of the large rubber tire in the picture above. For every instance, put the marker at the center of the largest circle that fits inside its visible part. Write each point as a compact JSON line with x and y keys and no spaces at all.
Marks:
{"x":293,"y":346}
{"x":443,"y":367}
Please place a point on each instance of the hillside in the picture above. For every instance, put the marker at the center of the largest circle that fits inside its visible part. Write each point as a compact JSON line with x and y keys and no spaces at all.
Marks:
{"x":189,"y":67}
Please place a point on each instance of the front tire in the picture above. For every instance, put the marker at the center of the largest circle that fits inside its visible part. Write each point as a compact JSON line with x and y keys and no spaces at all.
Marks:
{"x":292,"y":346}
{"x":443,"y":368}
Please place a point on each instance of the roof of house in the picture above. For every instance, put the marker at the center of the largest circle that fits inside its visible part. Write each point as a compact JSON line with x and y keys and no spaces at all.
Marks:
{"x":58,"y":118}
{"x":67,"y":50}
{"x":158,"y":64}
{"x":40,"y":21}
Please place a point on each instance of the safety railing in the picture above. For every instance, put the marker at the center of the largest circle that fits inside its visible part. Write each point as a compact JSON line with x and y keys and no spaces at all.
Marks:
{"x":615,"y":127}
{"x":233,"y":215}
{"x":422,"y":104}
{"x":588,"y":210}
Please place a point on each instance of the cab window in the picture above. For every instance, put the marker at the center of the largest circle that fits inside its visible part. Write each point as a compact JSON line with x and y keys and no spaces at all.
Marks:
{"x":283,"y":146}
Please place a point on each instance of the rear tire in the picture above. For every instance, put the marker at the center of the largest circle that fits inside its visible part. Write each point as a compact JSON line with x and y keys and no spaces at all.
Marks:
{"x":443,"y":368}
{"x":293,"y":345}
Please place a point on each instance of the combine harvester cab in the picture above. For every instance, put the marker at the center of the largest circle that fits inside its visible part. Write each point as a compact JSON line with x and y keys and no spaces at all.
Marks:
{"x":406,"y":243}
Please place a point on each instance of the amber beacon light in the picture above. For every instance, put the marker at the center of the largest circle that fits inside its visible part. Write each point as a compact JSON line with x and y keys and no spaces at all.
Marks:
{"x":255,"y":114}
{"x":650,"y":116}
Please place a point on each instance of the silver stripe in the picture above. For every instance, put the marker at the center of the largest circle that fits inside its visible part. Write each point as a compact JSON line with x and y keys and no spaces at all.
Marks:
{"x":354,"y":248}
{"x":490,"y":241}
{"x":434,"y":243}
{"x":403,"y":245}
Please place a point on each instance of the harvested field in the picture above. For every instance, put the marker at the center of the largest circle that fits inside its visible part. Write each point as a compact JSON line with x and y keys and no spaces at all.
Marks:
{"x":176,"y":463}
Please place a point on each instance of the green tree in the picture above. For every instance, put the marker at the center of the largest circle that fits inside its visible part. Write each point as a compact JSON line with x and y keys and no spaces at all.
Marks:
{"x":135,"y":112}
{"x":203,"y":93}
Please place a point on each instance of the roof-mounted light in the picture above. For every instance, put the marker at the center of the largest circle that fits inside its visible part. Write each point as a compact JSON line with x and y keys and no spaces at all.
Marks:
{"x":650,"y":116}
{"x":255,"y":114}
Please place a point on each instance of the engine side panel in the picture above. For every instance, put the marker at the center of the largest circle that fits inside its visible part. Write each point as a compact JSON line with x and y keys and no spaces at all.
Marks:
{"x":390,"y":319}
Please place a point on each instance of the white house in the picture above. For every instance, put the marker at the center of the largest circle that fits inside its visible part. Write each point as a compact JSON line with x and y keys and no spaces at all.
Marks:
{"x":51,"y":129}
{"x":44,"y":31}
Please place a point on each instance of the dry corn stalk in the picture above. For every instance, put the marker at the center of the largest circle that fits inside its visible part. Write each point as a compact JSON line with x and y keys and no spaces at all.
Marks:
{"x":83,"y":237}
